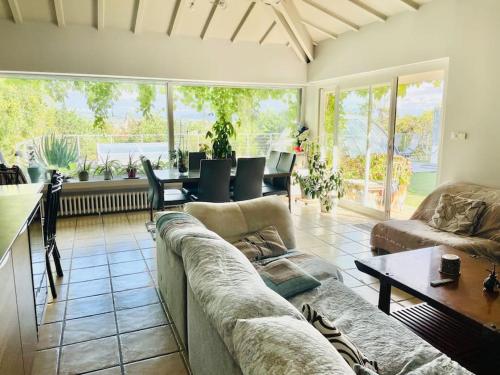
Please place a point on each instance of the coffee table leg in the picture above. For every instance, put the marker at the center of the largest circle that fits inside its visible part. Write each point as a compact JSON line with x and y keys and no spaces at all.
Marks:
{"x":384,"y":297}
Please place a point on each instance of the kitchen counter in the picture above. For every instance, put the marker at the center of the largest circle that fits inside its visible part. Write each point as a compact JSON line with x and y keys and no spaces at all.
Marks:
{"x":15,"y":209}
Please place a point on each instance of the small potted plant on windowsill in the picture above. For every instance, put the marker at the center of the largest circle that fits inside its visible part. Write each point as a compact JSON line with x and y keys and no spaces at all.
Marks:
{"x":34,"y":170}
{"x":107,"y":168}
{"x":182,"y":160}
{"x":84,"y":169}
{"x":132,"y":167}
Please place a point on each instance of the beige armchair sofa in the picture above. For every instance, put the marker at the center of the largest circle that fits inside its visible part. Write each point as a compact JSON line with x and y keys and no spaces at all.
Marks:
{"x":399,"y":235}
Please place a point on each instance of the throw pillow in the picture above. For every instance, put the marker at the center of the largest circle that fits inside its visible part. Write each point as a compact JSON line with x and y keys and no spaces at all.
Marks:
{"x":457,"y":214}
{"x":262,"y":244}
{"x":351,"y":354}
{"x":286,"y":278}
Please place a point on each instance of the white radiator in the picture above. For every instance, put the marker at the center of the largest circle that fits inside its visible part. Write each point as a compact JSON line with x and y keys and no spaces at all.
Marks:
{"x":86,"y":204}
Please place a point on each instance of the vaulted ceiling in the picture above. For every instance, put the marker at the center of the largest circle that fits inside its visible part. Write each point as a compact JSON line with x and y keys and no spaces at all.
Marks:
{"x":300,"y":24}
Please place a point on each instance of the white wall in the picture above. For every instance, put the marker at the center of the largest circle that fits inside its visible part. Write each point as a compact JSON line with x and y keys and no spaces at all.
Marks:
{"x":465,"y":31}
{"x":40,"y":47}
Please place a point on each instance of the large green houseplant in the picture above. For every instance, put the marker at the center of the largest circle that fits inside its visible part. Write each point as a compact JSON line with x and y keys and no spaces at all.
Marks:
{"x":322,"y":181}
{"x":219,"y":135}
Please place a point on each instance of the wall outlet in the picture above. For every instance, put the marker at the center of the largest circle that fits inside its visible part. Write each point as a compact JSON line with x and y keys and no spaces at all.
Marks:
{"x":458,"y":136}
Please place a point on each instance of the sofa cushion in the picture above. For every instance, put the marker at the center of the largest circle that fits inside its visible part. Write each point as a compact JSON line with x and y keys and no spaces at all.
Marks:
{"x":262,"y":244}
{"x":350,"y":352}
{"x":283,"y":345}
{"x":286,"y":278}
{"x":398,"y":235}
{"x":456,"y":214}
{"x":245,"y":217}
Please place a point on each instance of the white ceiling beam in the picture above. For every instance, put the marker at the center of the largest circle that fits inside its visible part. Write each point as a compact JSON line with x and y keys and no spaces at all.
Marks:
{"x":176,"y":15}
{"x":209,"y":19}
{"x":410,"y":4}
{"x":321,"y":30}
{"x":294,"y":43}
{"x":58,"y":7}
{"x":291,"y":15}
{"x":139,"y":16}
{"x":16,"y":11}
{"x":338,"y":17}
{"x":368,"y":9}
{"x":266,"y":34}
{"x":100,"y":14}
{"x":243,"y":20}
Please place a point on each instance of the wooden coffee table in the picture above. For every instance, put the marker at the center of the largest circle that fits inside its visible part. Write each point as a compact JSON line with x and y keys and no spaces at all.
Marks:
{"x":458,"y":318}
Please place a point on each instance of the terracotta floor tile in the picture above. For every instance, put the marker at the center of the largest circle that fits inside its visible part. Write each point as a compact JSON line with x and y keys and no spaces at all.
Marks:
{"x":147,"y":343}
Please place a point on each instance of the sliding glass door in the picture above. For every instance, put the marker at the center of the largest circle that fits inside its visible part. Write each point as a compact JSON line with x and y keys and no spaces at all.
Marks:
{"x":373,"y":133}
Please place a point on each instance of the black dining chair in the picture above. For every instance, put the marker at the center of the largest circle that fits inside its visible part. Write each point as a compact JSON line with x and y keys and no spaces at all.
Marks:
{"x":12,"y":175}
{"x":49,"y":229}
{"x":281,"y":185}
{"x":158,"y":198}
{"x":195,"y":158}
{"x":271,"y":163}
{"x":215,"y":176}
{"x":248,"y":181}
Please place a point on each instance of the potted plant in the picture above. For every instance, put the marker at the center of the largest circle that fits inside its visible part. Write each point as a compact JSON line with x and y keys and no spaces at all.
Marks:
{"x":132,"y":167}
{"x":84,"y":169}
{"x":182,"y":160}
{"x":222,"y":129}
{"x":301,"y":136}
{"x":34,"y":170}
{"x":107,"y":168}
{"x":324,"y":183}
{"x":303,"y":181}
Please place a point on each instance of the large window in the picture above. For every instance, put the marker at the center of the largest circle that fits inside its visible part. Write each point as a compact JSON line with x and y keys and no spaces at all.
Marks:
{"x":359,"y":130}
{"x":98,"y":118}
{"x":263,"y":118}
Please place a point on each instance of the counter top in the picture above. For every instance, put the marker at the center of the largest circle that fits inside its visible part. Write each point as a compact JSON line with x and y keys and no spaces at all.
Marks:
{"x":15,"y":210}
{"x":20,"y":189}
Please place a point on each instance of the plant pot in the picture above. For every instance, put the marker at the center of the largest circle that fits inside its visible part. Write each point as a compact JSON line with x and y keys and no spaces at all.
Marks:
{"x":303,"y":194}
{"x":328,"y":203}
{"x":83,"y":175}
{"x":34,"y":173}
{"x":182,"y":167}
{"x":132,"y":172}
{"x":108,"y":175}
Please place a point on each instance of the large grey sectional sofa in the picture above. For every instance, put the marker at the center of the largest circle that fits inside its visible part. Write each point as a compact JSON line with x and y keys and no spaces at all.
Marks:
{"x":230,"y":322}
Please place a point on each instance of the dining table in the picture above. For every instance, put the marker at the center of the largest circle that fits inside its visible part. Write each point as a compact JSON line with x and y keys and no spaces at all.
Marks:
{"x":172,"y":175}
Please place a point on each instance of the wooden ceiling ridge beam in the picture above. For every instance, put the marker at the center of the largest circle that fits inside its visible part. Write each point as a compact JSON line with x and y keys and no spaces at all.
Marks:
{"x":16,"y":11}
{"x":176,"y":15}
{"x":58,"y":7}
{"x":294,"y":43}
{"x":338,"y":17}
{"x":242,"y":21}
{"x":100,"y":14}
{"x":209,"y":19}
{"x":139,"y":16}
{"x":292,"y":17}
{"x":410,"y":4}
{"x":368,"y":9}
{"x":266,"y":34}
{"x":321,"y":30}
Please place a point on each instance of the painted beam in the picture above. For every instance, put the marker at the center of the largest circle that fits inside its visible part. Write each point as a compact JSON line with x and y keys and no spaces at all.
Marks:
{"x":209,"y":19}
{"x":410,"y":4}
{"x":294,"y":43}
{"x":139,"y":16}
{"x":58,"y":7}
{"x":243,"y":20}
{"x":328,"y":12}
{"x":291,"y":15}
{"x":266,"y":34}
{"x":16,"y":11}
{"x":175,"y":17}
{"x":368,"y":9}
{"x":100,"y":14}
{"x":321,"y":30}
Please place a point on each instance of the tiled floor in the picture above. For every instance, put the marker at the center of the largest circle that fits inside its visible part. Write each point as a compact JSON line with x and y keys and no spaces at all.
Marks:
{"x":108,"y":318}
